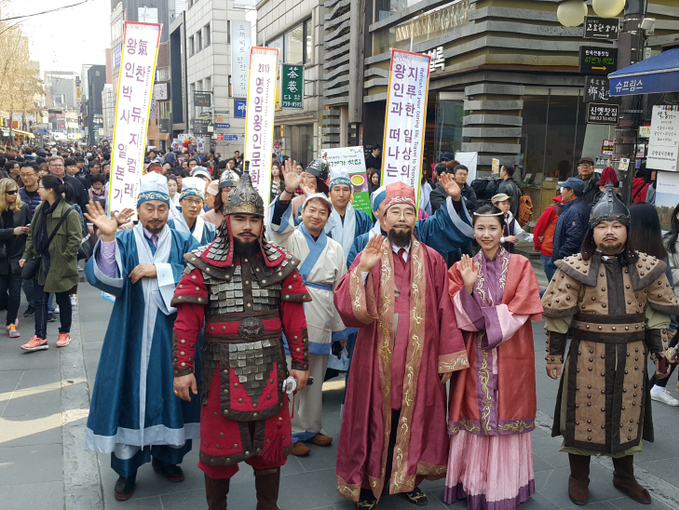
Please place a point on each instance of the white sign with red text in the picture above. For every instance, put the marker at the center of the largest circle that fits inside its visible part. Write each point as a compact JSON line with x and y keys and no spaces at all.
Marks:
{"x":135,"y":88}
{"x":406,"y":117}
{"x":260,"y":116}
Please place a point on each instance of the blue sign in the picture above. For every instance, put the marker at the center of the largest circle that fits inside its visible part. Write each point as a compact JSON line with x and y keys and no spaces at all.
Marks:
{"x":240,"y":107}
{"x":221,"y":125}
{"x":230,"y":138}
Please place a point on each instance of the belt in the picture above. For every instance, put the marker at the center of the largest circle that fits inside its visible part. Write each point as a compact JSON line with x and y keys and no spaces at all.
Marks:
{"x":321,"y":286}
{"x":236,"y":339}
{"x":609,"y":328}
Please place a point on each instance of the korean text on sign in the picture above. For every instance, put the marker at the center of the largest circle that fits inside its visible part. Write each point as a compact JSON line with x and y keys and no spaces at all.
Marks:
{"x":405,"y":118}
{"x":663,"y":142}
{"x":135,"y":88}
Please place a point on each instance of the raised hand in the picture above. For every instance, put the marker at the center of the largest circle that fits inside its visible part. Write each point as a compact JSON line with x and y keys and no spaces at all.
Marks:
{"x":96,"y":215}
{"x":468,"y":271}
{"x":290,"y":176}
{"x":371,"y":254}
{"x":124,"y":216}
{"x":449,"y":185}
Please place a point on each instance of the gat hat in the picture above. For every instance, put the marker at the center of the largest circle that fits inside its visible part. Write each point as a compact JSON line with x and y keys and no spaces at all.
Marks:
{"x":229,"y":179}
{"x":573,"y":183}
{"x":193,"y":186}
{"x":500,"y":197}
{"x":586,"y":160}
{"x":399,"y":193}
{"x":377,"y":197}
{"x":244,"y":198}
{"x":153,"y":187}
{"x":447,"y":156}
{"x":200,"y":171}
{"x":213,"y":188}
{"x":339,"y":176}
{"x":609,"y":208}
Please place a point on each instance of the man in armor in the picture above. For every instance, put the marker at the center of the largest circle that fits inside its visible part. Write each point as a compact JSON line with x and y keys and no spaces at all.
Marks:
{"x":249,"y":293}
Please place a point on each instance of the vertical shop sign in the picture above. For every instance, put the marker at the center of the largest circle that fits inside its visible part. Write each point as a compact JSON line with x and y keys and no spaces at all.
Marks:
{"x":405,"y":118}
{"x":241,"y":33}
{"x":135,"y":88}
{"x":292,"y":84}
{"x":260,"y":116}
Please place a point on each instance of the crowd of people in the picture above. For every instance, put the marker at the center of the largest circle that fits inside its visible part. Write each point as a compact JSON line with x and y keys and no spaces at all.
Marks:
{"x":228,"y":313}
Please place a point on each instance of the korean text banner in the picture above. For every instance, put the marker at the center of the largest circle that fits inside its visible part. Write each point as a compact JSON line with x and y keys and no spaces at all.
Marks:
{"x":351,"y":159}
{"x":405,"y":118}
{"x":135,"y":87}
{"x":241,"y":33}
{"x":663,"y":143}
{"x":260,"y":114}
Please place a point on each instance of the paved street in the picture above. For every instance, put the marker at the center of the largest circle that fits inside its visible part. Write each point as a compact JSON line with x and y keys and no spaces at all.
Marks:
{"x":44,"y":465}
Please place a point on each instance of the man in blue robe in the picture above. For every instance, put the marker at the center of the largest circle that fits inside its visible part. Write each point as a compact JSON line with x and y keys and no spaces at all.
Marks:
{"x":190,"y":220}
{"x":134,"y":413}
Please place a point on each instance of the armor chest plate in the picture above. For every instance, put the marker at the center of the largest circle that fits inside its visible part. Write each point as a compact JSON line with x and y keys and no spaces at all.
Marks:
{"x":243,"y":293}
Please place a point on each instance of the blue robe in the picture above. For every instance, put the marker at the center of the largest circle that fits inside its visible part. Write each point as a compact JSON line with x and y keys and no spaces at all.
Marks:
{"x":133,"y":401}
{"x":445,"y":231}
{"x":207,"y":233}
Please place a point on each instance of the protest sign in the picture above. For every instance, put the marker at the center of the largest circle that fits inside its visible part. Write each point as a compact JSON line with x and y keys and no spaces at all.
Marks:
{"x":351,"y":159}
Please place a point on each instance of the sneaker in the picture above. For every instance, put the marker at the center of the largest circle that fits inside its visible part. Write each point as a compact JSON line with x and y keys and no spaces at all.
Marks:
{"x":11,"y":330}
{"x":64,"y":339}
{"x":51,"y":317}
{"x":56,"y":309}
{"x":30,"y":311}
{"x":35,"y":344}
{"x":74,"y":300}
{"x":665,"y":397}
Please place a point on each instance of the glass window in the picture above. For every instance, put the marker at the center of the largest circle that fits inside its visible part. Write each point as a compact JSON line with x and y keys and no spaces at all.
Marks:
{"x":206,"y":35}
{"x":277,"y":43}
{"x":228,"y":31}
{"x":192,"y":47}
{"x":448,"y":132}
{"x":294,"y":50}
{"x":308,"y":46}
{"x":199,"y":42}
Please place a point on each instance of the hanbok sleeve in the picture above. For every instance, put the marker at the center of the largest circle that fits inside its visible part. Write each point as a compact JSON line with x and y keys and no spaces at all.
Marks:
{"x":447,"y":229}
{"x":452,"y":350}
{"x":355,"y":301}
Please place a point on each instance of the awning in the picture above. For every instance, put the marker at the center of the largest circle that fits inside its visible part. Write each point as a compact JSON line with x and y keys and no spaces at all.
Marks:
{"x":23,"y":133}
{"x":650,"y":76}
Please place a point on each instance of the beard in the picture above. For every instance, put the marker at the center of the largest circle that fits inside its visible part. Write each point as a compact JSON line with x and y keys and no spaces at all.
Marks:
{"x":241,"y":247}
{"x":611,"y":247}
{"x":400,"y":239}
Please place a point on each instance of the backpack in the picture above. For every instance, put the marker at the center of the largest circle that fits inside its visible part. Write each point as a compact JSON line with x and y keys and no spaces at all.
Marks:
{"x":491,"y":188}
{"x":479,"y":187}
{"x":525,"y":212}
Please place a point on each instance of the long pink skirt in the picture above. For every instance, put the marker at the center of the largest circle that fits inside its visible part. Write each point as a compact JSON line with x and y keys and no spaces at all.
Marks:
{"x":492,"y":473}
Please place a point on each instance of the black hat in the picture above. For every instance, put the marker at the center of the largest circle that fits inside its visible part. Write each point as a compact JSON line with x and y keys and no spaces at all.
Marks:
{"x":609,"y":208}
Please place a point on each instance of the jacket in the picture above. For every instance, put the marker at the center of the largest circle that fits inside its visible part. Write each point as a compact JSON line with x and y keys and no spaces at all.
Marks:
{"x":591,"y":188}
{"x":63,"y":250}
{"x":571,"y":229}
{"x":510,"y":187}
{"x":639,"y":190}
{"x":543,"y":231}
{"x":32,"y":201}
{"x":438,"y":196}
{"x":81,"y":197}
{"x":15,"y":244}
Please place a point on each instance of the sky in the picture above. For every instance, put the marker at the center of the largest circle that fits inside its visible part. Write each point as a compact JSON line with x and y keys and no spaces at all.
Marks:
{"x":66,"y":39}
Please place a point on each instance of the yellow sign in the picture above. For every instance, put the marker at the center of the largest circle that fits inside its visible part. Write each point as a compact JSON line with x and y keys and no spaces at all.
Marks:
{"x":496,"y":166}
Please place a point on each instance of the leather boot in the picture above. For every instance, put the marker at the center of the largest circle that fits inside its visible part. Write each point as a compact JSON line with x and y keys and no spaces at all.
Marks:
{"x":578,"y":481}
{"x":267,"y":482}
{"x":216,"y":490}
{"x":623,"y":479}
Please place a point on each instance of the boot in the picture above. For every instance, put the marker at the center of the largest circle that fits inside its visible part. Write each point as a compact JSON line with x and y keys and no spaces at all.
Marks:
{"x":578,"y":482}
{"x":267,"y":482}
{"x":216,"y":490}
{"x":623,"y":479}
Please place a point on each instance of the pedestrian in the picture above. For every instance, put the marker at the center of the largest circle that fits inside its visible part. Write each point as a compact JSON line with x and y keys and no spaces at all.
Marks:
{"x":29,"y":192}
{"x":97,"y":189}
{"x":53,"y":241}
{"x":134,"y":414}
{"x":277,"y":182}
{"x":543,"y":235}
{"x":642,"y":189}
{"x":393,"y":433}
{"x":322,"y":264}
{"x":590,"y":178}
{"x":373,"y":181}
{"x":509,"y":187}
{"x":618,"y":301}
{"x":57,"y":168}
{"x":190,"y":220}
{"x":374,"y":159}
{"x":492,"y":406}
{"x":253,"y":423}
{"x":227,"y":182}
{"x":513,"y":233}
{"x":571,"y":227}
{"x":14,"y":219}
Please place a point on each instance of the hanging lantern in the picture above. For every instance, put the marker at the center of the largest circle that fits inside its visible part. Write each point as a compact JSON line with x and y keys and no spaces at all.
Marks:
{"x":571,"y":13}
{"x":608,"y":8}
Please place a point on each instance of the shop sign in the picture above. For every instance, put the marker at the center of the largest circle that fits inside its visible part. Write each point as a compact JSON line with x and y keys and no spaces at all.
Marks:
{"x":241,"y":33}
{"x":405,"y":121}
{"x":597,"y":89}
{"x":607,"y":147}
{"x":644,"y":131}
{"x":601,"y":61}
{"x":434,"y":23}
{"x":602,"y":113}
{"x":202,"y":99}
{"x":601,"y":162}
{"x":161,"y":91}
{"x":663,"y":144}
{"x":437,"y":60}
{"x":602,"y":28}
{"x":135,"y":87}
{"x":200,"y":126}
{"x":260,"y":117}
{"x":222,"y":125}
{"x":292,"y":87}
{"x":230,"y":138}
{"x":351,"y":159}
{"x":240,"y":107}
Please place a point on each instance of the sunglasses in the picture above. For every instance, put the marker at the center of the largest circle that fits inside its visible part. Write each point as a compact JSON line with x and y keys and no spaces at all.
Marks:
{"x":14,"y":192}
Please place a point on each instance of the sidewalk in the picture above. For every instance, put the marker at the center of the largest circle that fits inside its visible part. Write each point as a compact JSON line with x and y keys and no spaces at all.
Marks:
{"x":44,"y":464}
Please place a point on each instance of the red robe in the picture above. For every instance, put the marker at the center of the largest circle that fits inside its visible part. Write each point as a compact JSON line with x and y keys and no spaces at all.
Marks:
{"x":426,"y":344}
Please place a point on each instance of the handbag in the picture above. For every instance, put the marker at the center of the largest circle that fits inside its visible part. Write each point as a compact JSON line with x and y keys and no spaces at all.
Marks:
{"x":32,"y":265}
{"x":86,"y":247}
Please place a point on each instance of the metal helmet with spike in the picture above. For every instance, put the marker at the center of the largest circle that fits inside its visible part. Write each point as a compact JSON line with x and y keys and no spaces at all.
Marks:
{"x":228,"y":179}
{"x":609,"y":208}
{"x":244,"y":198}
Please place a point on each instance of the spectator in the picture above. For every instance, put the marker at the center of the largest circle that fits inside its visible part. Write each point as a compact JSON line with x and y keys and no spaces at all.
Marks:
{"x":56,"y":165}
{"x":97,"y":191}
{"x":373,"y":180}
{"x":543,"y":235}
{"x":591,"y":179}
{"x":374,"y":159}
{"x":227,"y":182}
{"x":641,"y":186}
{"x":14,"y":216}
{"x":509,"y":187}
{"x":512,"y":233}
{"x":277,"y":181}
{"x":12,"y":169}
{"x":572,"y":225}
{"x":29,"y":193}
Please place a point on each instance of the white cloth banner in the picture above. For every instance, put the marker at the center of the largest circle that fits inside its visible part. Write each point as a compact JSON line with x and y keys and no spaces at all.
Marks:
{"x":241,"y":41}
{"x":406,"y":118}
{"x":663,"y":144}
{"x":260,"y":115}
{"x":135,"y":87}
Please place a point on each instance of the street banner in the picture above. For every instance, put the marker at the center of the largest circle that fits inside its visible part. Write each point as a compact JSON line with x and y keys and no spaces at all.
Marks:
{"x":135,"y":88}
{"x":405,"y":119}
{"x":663,"y":143}
{"x":352,"y":160}
{"x":241,"y":34}
{"x":292,"y":86}
{"x":260,"y":115}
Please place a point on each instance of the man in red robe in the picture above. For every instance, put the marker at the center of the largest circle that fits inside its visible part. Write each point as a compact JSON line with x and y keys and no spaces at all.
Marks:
{"x":249,"y":293}
{"x":394,"y":424}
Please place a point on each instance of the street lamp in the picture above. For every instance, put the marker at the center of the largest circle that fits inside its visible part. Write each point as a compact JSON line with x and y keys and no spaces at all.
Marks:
{"x":571,"y":13}
{"x":608,"y":8}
